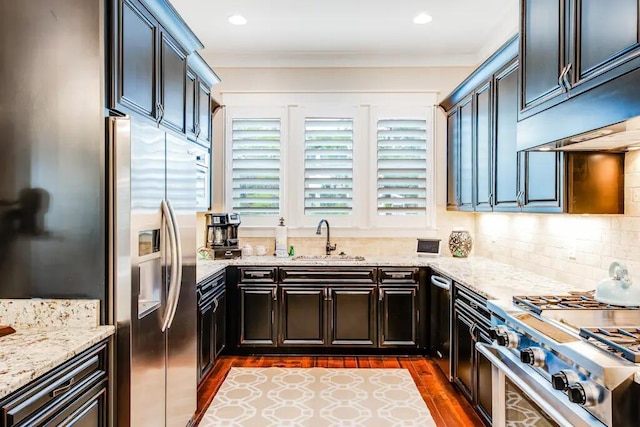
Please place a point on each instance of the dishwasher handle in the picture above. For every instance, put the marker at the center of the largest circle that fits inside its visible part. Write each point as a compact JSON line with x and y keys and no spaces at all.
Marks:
{"x":441,"y":282}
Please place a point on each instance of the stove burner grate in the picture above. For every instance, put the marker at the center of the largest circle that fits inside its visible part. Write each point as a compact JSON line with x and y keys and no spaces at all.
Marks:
{"x":575,"y":300}
{"x":624,"y":342}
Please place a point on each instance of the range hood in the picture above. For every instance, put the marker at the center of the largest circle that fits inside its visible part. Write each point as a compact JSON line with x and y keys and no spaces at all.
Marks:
{"x":618,"y":137}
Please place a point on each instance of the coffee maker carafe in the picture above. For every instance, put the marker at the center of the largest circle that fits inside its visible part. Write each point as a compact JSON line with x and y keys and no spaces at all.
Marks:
{"x":222,"y":235}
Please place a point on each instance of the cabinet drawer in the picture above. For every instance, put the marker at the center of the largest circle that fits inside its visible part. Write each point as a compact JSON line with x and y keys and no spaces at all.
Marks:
{"x":328,"y":275}
{"x":49,"y":393}
{"x":207,"y":288}
{"x":398,"y":275}
{"x":257,"y":274}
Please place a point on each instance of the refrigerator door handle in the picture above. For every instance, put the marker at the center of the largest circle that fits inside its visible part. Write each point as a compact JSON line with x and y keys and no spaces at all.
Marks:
{"x":179,"y":264}
{"x":174,"y":265}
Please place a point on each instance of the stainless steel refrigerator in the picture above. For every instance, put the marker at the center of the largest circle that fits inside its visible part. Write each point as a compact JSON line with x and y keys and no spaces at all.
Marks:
{"x":152,"y":260}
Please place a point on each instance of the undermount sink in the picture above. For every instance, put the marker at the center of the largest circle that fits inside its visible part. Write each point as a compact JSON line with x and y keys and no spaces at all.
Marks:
{"x":328,"y":258}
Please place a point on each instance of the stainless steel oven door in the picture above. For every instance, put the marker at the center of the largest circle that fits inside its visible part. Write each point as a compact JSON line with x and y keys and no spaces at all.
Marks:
{"x":522,"y":397}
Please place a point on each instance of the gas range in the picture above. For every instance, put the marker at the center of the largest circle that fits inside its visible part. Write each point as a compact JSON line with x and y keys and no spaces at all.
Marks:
{"x":575,"y":352}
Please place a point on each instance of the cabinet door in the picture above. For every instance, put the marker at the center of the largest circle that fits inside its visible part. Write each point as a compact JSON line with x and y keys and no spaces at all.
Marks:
{"x":483,"y":148}
{"x":607,"y":43}
{"x":398,"y":316}
{"x":302,"y":316}
{"x":484,"y":382}
{"x":206,"y":331}
{"x":541,"y":181}
{"x":191,"y":104}
{"x":173,"y":69}
{"x":543,"y":53}
{"x":352,"y":316}
{"x":463,"y":350}
{"x":506,"y":152}
{"x":453,"y":159}
{"x":466,"y":155}
{"x":135,"y":42}
{"x":204,"y":113}
{"x":220,"y":323}
{"x":257,"y":315}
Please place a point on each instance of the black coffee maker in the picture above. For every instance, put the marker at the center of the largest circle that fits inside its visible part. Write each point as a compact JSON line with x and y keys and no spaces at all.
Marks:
{"x":222,"y":235}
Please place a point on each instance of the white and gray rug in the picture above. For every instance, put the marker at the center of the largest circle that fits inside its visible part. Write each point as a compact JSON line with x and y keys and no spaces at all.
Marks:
{"x":317,"y":397}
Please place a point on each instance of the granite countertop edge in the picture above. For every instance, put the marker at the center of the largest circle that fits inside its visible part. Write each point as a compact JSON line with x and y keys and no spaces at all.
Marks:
{"x":490,"y":279}
{"x":49,"y":348}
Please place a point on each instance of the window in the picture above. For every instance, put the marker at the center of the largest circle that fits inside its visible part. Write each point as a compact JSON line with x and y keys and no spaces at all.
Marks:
{"x":328,"y":166}
{"x":363,"y":161}
{"x":401,"y":166}
{"x":256,"y":166}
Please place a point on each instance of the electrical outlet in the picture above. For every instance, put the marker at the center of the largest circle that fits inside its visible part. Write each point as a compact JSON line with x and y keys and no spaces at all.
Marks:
{"x":572,"y":249}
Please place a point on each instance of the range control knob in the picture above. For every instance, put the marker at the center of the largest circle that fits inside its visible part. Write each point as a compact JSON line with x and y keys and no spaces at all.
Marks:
{"x":583,"y":393}
{"x":504,"y":337}
{"x":562,"y":379}
{"x":533,"y":356}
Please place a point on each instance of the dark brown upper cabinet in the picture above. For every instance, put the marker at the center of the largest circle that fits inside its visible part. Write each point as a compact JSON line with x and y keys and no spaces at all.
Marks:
{"x":484,"y":147}
{"x":580,"y":67}
{"x":173,"y":68}
{"x":476,"y":118}
{"x":543,"y":53}
{"x":200,"y":105}
{"x":505,"y":158}
{"x":135,"y":60}
{"x":151,"y":49}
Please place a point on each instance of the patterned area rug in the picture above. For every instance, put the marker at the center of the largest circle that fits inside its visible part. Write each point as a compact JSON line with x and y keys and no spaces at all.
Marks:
{"x":319,"y":397}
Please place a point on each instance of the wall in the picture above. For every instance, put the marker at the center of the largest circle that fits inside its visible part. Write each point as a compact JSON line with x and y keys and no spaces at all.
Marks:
{"x":437,"y":79}
{"x":543,"y":243}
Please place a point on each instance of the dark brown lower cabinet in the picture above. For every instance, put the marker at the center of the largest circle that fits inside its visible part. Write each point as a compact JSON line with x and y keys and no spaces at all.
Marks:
{"x":212,"y":322}
{"x":398,"y":316}
{"x":471,"y":370}
{"x":73,"y":394}
{"x":257,"y":315}
{"x":463,"y":354}
{"x":352,"y":315}
{"x":321,"y":316}
{"x":302,"y":316}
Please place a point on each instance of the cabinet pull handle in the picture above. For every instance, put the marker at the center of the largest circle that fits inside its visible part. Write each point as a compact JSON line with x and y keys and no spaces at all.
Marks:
{"x":561,"y":78}
{"x":401,"y":275}
{"x":215,"y":302}
{"x":326,"y":294}
{"x":565,"y":79}
{"x":160,"y":112}
{"x":472,"y":331}
{"x":64,"y":388}
{"x":329,"y":298}
{"x":473,"y":305}
{"x":258,"y":274}
{"x":491,"y":199}
{"x":197,"y":130}
{"x":380,"y":295}
{"x":274,"y":293}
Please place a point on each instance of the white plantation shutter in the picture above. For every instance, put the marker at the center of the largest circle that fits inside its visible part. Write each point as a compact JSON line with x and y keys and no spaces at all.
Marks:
{"x":401,"y":166}
{"x":256,"y":166}
{"x":328,"y":166}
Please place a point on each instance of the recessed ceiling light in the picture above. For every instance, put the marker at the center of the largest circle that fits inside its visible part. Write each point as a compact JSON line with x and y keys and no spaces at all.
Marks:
{"x":422,"y":18}
{"x":237,"y":20}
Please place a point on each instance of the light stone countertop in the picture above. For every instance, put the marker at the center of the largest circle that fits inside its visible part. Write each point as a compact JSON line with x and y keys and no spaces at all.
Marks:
{"x":490,"y":279}
{"x":48,"y":333}
{"x":32,"y":352}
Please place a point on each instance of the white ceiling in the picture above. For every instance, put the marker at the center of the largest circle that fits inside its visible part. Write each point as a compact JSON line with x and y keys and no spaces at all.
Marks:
{"x":338,"y":33}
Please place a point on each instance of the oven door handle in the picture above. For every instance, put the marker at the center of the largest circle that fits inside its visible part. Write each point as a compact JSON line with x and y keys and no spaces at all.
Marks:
{"x":500,"y":358}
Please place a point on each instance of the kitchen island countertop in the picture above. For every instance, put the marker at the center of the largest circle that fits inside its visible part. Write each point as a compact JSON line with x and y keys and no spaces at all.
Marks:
{"x":491,"y":279}
{"x":31,"y":352}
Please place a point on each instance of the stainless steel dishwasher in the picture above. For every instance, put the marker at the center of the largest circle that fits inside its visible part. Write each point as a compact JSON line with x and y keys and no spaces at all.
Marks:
{"x":440,"y":331}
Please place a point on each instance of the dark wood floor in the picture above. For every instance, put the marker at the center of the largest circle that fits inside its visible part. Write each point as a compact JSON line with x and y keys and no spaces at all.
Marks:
{"x":447,"y":406}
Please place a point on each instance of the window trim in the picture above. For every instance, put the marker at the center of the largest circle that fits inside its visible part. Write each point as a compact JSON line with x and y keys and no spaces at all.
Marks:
{"x":406,"y":111}
{"x":367,"y":104}
{"x":239,"y":113}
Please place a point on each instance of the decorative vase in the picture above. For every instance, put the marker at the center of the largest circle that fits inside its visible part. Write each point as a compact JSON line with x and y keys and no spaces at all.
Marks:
{"x":460,"y":243}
